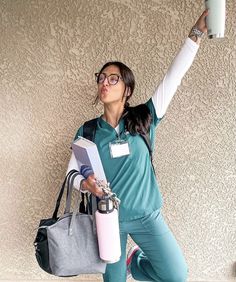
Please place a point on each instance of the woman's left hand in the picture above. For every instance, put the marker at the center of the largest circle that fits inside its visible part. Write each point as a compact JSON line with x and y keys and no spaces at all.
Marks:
{"x":199,"y":25}
{"x":201,"y":22}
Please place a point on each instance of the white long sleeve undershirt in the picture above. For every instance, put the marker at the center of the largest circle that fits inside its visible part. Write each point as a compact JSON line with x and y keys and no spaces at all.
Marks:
{"x":163,"y":93}
{"x":73,"y":164}
{"x":168,"y":86}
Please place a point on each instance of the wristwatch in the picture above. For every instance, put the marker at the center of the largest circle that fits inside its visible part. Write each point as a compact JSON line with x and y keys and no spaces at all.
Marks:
{"x":195,"y":32}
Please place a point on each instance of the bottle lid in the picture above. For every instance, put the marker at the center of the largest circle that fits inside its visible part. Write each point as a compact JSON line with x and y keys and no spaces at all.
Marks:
{"x":105,"y":206}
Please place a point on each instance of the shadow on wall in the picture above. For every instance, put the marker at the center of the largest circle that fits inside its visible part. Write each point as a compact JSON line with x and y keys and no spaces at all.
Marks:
{"x":234,"y":270}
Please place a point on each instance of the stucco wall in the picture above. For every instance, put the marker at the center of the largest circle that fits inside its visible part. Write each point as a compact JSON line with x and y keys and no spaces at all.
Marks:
{"x":49,"y":51}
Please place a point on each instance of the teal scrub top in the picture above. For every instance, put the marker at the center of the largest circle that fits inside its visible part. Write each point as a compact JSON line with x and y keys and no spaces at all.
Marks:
{"x":131,"y":177}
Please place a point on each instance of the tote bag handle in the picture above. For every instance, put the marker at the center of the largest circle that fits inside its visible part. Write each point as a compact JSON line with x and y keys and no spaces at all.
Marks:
{"x":58,"y":202}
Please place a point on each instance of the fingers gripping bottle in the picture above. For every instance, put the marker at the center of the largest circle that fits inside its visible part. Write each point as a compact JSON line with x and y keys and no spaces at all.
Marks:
{"x":108,"y":233}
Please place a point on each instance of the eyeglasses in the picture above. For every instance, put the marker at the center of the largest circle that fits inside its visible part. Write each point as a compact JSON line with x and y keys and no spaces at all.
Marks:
{"x":112,"y":79}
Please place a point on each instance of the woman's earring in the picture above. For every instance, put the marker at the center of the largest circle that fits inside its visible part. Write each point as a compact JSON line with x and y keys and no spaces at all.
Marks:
{"x":128,"y":93}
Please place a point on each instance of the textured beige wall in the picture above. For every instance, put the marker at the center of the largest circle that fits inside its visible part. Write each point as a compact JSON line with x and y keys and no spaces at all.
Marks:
{"x":49,"y":51}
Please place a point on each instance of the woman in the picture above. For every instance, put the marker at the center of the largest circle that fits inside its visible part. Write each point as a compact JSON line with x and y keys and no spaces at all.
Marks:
{"x":157,"y":256}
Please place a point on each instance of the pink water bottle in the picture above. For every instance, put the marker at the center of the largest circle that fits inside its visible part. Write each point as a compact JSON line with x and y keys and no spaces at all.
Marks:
{"x":108,"y":233}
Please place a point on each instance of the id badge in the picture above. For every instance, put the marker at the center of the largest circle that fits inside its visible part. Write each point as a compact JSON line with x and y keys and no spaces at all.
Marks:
{"x":119,"y":148}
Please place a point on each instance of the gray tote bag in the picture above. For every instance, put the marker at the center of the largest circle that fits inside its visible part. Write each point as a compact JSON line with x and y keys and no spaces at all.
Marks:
{"x":72,"y":240}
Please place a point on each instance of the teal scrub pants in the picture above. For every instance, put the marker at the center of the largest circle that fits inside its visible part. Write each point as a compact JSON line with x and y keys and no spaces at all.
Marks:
{"x":159,"y":258}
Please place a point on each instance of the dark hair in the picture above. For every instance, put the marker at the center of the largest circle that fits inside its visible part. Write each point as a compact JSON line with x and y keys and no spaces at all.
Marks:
{"x":137,"y":119}
{"x":127,"y":76}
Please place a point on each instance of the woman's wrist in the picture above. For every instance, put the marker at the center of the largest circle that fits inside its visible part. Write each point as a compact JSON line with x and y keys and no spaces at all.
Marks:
{"x":83,"y":186}
{"x":196,"y":34}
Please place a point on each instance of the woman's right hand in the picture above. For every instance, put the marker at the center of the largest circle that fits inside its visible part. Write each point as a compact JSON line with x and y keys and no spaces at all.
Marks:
{"x":90,"y":185}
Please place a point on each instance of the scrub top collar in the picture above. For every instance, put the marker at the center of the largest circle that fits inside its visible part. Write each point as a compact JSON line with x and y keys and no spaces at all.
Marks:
{"x":105,"y":125}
